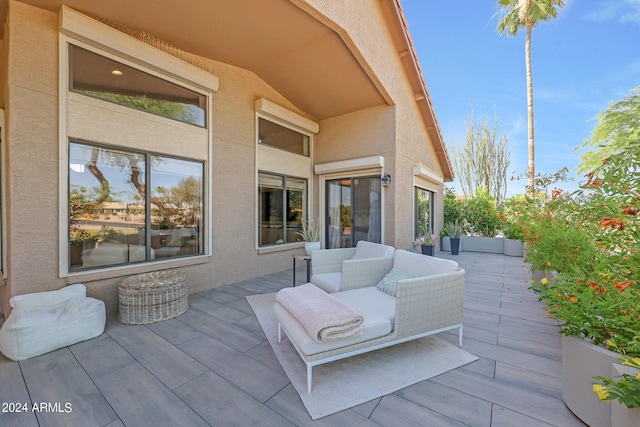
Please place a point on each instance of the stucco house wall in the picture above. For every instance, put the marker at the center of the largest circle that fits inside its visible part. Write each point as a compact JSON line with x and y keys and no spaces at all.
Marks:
{"x":33,"y":167}
{"x":407,"y":144}
{"x":34,"y":177}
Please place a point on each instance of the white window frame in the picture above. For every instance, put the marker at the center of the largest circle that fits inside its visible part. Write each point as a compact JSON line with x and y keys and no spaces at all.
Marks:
{"x":429,"y":180}
{"x":78,"y":29}
{"x":281,"y":162}
{"x":362,"y":166}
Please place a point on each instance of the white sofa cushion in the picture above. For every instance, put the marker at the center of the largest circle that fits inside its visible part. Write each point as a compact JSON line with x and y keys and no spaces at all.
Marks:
{"x":374,"y":309}
{"x":328,"y":282}
{"x":366,"y":249}
{"x":370,"y":302}
{"x":422,"y":265}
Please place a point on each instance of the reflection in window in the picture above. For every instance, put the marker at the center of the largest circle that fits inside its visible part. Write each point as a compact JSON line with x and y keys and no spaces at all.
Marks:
{"x":113,"y":221}
{"x":277,"y":136}
{"x":95,"y":75}
{"x":424,"y":212}
{"x":353,"y":211}
{"x":281,"y":208}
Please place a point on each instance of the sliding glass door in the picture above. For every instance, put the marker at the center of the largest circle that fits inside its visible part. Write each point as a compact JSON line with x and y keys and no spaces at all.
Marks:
{"x":353,"y":211}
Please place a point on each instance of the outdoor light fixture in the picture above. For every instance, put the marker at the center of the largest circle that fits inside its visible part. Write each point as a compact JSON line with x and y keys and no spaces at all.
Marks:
{"x":386,"y":179}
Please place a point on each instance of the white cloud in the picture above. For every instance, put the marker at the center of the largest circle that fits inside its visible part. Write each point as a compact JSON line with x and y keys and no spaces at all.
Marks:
{"x":623,"y":11}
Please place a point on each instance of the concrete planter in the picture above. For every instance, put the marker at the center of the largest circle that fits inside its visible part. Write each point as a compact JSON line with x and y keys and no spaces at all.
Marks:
{"x":513,"y":247}
{"x":621,"y":416}
{"x":581,"y":361}
{"x":494,"y":245}
{"x":445,"y":243}
{"x":537,"y":275}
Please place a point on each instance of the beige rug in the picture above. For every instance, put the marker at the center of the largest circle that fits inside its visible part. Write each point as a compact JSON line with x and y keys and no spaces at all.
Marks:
{"x":349,"y":382}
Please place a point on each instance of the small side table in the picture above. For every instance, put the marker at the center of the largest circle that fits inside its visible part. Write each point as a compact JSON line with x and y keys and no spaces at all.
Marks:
{"x":302,"y":257}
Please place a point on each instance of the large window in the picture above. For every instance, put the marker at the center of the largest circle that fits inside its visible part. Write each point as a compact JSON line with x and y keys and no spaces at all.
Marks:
{"x":424,"y":214}
{"x":100,"y":77}
{"x":282,"y":208}
{"x":127,"y":207}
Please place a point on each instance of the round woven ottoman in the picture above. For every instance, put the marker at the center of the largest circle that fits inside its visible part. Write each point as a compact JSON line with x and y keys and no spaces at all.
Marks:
{"x":153,"y":297}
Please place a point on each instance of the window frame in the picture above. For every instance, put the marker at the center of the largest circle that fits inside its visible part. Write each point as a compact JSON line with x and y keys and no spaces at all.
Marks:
{"x":277,"y":161}
{"x":122,"y":62}
{"x":432,"y":210}
{"x":148,"y":224}
{"x":88,"y":33}
{"x":285,"y":199}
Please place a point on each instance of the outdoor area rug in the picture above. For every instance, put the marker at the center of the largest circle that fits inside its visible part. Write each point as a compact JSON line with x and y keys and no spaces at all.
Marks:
{"x":349,"y":382}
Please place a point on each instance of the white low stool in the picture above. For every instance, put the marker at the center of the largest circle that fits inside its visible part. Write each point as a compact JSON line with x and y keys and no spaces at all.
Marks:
{"x":45,"y":321}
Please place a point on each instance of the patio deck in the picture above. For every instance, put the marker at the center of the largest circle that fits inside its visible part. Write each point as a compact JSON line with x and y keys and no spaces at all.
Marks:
{"x":213,"y":366}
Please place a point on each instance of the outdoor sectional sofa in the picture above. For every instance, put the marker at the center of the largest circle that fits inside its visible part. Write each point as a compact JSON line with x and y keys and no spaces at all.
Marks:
{"x":425,"y":305}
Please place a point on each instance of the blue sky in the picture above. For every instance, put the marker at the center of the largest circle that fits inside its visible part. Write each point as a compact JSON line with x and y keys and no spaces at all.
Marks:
{"x":581,"y":61}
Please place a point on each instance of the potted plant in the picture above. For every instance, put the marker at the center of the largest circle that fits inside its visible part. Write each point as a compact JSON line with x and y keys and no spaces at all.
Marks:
{"x":591,"y":238}
{"x":515,"y":213}
{"x":310,"y":234}
{"x":482,"y":220}
{"x":426,"y":242}
{"x":455,"y":233}
{"x":623,"y":388}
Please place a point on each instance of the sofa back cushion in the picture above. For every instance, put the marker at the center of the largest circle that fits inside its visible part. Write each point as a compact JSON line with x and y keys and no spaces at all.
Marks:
{"x":366,"y":249}
{"x":422,"y":265}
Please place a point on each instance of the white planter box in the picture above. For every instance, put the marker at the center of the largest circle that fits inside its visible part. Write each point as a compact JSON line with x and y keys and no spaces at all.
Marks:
{"x":621,"y":416}
{"x":513,"y":247}
{"x":581,"y":361}
{"x":445,"y":243}
{"x":494,"y":245}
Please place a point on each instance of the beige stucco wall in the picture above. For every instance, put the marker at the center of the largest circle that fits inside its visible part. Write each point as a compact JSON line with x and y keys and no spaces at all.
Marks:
{"x":33,"y":167}
{"x":407,"y":145}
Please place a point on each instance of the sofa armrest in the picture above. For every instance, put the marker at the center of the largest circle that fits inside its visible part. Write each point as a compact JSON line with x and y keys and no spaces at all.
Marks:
{"x":429,"y":303}
{"x":361,"y":273}
{"x":330,"y":260}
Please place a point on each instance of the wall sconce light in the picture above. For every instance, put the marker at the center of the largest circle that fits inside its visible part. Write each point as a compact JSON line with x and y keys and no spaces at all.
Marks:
{"x":386,"y":180}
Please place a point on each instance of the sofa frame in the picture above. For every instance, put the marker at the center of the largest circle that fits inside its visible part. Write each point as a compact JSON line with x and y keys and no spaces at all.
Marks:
{"x":424,"y":306}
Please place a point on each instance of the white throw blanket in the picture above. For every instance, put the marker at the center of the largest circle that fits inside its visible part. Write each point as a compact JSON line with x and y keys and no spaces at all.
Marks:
{"x":324,"y":317}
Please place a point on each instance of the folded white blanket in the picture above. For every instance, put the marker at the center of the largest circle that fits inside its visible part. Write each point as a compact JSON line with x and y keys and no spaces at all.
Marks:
{"x":323,"y":316}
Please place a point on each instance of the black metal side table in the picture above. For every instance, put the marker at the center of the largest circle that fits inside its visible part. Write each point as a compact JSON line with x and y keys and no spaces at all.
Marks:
{"x":307,"y":259}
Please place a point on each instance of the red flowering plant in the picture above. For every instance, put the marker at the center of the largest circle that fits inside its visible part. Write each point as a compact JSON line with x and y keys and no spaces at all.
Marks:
{"x":592,"y":239}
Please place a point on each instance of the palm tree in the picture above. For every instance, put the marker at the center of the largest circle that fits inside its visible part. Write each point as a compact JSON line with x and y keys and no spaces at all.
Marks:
{"x":517,"y":14}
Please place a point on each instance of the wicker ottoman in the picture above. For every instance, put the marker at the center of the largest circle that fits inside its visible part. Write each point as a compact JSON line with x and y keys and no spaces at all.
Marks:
{"x":153,"y":297}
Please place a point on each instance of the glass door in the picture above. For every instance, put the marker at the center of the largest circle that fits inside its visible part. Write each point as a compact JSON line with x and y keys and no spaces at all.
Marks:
{"x":353,"y":211}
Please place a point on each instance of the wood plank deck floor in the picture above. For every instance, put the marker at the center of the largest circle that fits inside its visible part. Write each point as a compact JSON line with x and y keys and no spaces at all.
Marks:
{"x":213,"y":366}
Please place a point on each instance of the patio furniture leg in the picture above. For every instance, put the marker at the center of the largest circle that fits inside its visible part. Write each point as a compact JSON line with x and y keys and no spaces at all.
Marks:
{"x":279,"y":332}
{"x":309,"y":367}
{"x":460,"y":336}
